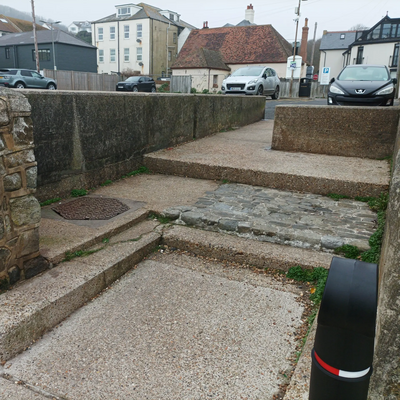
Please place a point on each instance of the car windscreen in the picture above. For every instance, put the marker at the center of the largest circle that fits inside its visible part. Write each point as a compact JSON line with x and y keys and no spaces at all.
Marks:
{"x":364,"y":73}
{"x":133,"y":79}
{"x":248,"y":71}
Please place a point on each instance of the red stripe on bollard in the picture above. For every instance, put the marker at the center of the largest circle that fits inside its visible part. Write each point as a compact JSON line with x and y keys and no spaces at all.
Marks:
{"x":339,"y":372}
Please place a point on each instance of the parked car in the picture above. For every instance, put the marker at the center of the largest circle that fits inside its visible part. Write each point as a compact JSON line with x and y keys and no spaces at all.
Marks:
{"x":362,"y":85}
{"x":258,"y":80}
{"x":25,"y":78}
{"x":137,"y":84}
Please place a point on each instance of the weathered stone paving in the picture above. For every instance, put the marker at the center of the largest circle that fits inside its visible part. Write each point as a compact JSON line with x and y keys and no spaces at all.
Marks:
{"x":296,"y":219}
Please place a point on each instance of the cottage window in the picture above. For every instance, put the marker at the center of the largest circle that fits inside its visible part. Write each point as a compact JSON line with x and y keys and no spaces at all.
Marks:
{"x":44,"y":55}
{"x":395,"y":61}
{"x":126,"y":55}
{"x":101,"y":56}
{"x":126,"y":31}
{"x":112,"y":55}
{"x":139,"y":54}
{"x":139,"y":31}
{"x":112,"y":32}
{"x":174,"y":37}
{"x":360,"y":52}
{"x":100,"y":33}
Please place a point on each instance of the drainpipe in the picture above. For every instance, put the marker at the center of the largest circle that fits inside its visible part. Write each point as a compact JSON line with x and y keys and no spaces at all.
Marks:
{"x":398,"y":73}
{"x":118,"y":51}
{"x":166,"y":69}
{"x":209,"y":73}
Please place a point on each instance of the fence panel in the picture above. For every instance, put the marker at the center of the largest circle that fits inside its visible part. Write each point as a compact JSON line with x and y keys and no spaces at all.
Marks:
{"x":181,"y":83}
{"x":75,"y":80}
{"x":317,"y":90}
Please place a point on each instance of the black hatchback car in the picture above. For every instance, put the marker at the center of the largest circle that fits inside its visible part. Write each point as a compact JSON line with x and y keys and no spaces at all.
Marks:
{"x":362,"y":85}
{"x":137,"y":84}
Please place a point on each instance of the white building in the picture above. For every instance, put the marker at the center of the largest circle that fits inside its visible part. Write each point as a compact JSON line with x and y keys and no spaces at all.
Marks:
{"x":79,"y":26}
{"x":138,"y":38}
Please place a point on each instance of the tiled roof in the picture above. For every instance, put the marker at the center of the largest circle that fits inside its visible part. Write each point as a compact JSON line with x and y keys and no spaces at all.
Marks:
{"x":253,"y":44}
{"x":147,"y":11}
{"x":43,"y":36}
{"x":205,"y":58}
{"x":332,"y":41}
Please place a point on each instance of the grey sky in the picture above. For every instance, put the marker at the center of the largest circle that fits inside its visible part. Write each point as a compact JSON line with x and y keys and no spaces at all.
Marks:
{"x":331,"y":15}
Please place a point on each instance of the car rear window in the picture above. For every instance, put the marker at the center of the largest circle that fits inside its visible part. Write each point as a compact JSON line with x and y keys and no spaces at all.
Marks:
{"x":8,"y":71}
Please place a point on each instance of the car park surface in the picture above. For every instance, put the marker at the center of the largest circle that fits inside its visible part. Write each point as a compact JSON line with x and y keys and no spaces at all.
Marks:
{"x":362,"y":85}
{"x":25,"y":78}
{"x":256,"y":80}
{"x":137,"y":84}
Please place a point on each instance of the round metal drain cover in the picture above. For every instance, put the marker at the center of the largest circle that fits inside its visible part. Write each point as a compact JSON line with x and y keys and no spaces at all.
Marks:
{"x":91,"y":208}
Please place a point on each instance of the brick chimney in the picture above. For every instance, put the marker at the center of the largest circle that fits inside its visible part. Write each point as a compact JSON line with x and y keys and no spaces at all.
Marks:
{"x":249,"y":15}
{"x":205,"y":25}
{"x":304,"y":38}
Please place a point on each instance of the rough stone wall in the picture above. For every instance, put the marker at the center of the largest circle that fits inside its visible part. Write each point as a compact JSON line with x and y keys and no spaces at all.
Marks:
{"x":20,"y":211}
{"x":367,"y":132}
{"x":385,"y":381}
{"x":83,"y":139}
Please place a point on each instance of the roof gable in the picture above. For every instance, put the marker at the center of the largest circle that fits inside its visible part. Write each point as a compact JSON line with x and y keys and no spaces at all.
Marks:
{"x":237,"y":45}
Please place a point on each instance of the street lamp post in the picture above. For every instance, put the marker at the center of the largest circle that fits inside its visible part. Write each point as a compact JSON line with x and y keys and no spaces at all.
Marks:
{"x":297,"y":12}
{"x":52,"y":41}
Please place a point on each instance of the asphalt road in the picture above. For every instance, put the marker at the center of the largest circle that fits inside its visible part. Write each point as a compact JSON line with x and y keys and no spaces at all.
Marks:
{"x":271,"y":104}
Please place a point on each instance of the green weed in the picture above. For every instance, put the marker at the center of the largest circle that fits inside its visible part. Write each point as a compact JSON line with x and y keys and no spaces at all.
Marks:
{"x":79,"y":192}
{"x":80,"y":253}
{"x":348,"y":251}
{"x":50,"y":201}
{"x":337,"y":197}
{"x":159,"y":218}
{"x":106,"y":183}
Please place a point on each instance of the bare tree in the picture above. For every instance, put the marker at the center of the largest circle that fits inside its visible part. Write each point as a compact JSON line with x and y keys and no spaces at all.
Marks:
{"x":358,"y":27}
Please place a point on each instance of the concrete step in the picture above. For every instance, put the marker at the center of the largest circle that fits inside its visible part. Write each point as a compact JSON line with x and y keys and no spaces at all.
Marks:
{"x":37,"y":305}
{"x":245,"y":156}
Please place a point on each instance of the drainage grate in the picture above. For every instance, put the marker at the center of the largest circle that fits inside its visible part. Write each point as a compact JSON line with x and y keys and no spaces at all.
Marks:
{"x":91,"y":208}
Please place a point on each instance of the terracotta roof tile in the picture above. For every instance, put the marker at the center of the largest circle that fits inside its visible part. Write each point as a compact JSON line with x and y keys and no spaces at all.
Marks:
{"x":257,"y":44}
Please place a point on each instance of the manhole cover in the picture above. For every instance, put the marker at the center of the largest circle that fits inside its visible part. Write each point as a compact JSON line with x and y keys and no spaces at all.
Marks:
{"x":91,"y":208}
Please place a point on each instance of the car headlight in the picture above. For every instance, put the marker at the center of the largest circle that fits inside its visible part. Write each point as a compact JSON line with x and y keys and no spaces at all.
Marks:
{"x":386,"y":90}
{"x":335,"y":89}
{"x":252,"y":82}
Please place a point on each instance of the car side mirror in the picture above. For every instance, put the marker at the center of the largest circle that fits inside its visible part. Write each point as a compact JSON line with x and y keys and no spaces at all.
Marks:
{"x":394,"y":80}
{"x":332,"y":80}
{"x":264,"y":76}
{"x":140,"y":80}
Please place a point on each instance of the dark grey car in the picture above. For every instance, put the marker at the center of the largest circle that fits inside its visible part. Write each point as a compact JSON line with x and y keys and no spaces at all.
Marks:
{"x":25,"y":78}
{"x":137,"y":84}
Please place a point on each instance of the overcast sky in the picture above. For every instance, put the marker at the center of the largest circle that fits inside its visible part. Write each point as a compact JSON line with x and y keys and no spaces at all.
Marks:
{"x":331,"y":15}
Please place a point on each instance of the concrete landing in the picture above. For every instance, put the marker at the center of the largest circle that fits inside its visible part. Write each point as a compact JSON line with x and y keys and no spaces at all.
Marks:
{"x":244,"y":156}
{"x":176,"y":327}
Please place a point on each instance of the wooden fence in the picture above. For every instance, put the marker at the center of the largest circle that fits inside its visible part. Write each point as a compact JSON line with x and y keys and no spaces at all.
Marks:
{"x":181,"y":84}
{"x":74,"y":80}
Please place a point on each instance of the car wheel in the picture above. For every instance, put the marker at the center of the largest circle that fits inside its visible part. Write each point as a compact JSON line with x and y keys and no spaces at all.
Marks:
{"x":20,"y":85}
{"x":275,"y":96}
{"x":260,"y":90}
{"x":153,"y":89}
{"x":135,"y":89}
{"x":51,"y":86}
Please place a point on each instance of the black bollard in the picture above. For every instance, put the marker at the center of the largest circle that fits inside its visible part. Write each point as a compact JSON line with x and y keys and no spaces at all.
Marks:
{"x":344,"y":341}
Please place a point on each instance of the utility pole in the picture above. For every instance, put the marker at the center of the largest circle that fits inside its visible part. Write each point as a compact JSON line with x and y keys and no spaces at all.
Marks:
{"x":35,"y":38}
{"x":313,"y":46}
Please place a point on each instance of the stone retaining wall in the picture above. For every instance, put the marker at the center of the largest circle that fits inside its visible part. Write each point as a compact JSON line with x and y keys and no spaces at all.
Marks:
{"x":83,"y":139}
{"x":385,"y":381}
{"x":20,"y":211}
{"x":367,"y":132}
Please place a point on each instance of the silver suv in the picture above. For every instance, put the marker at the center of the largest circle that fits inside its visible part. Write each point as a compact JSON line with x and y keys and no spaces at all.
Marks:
{"x":25,"y":78}
{"x":258,"y":80}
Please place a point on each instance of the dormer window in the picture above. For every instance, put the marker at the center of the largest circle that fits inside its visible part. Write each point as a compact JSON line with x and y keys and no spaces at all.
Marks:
{"x":124,"y":12}
{"x":171,"y":17}
{"x":342,"y":36}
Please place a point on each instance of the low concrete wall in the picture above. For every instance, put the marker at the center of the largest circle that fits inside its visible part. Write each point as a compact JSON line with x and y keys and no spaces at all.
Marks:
{"x":385,"y":381}
{"x":366,"y":132}
{"x":83,"y":139}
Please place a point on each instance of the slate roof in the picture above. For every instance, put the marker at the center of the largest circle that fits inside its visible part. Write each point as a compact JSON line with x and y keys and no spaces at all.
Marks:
{"x":332,"y":41}
{"x":43,"y":36}
{"x":255,"y":44}
{"x":14,"y":25}
{"x":147,"y":11}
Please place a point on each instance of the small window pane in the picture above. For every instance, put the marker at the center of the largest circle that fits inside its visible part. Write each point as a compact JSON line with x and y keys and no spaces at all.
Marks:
{"x":112,"y":55}
{"x":126,"y":55}
{"x":126,"y":31}
{"x":101,"y":55}
{"x":100,"y":33}
{"x":112,"y":32}
{"x":139,"y":54}
{"x":376,"y":32}
{"x":386,"y":31}
{"x":139,"y":30}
